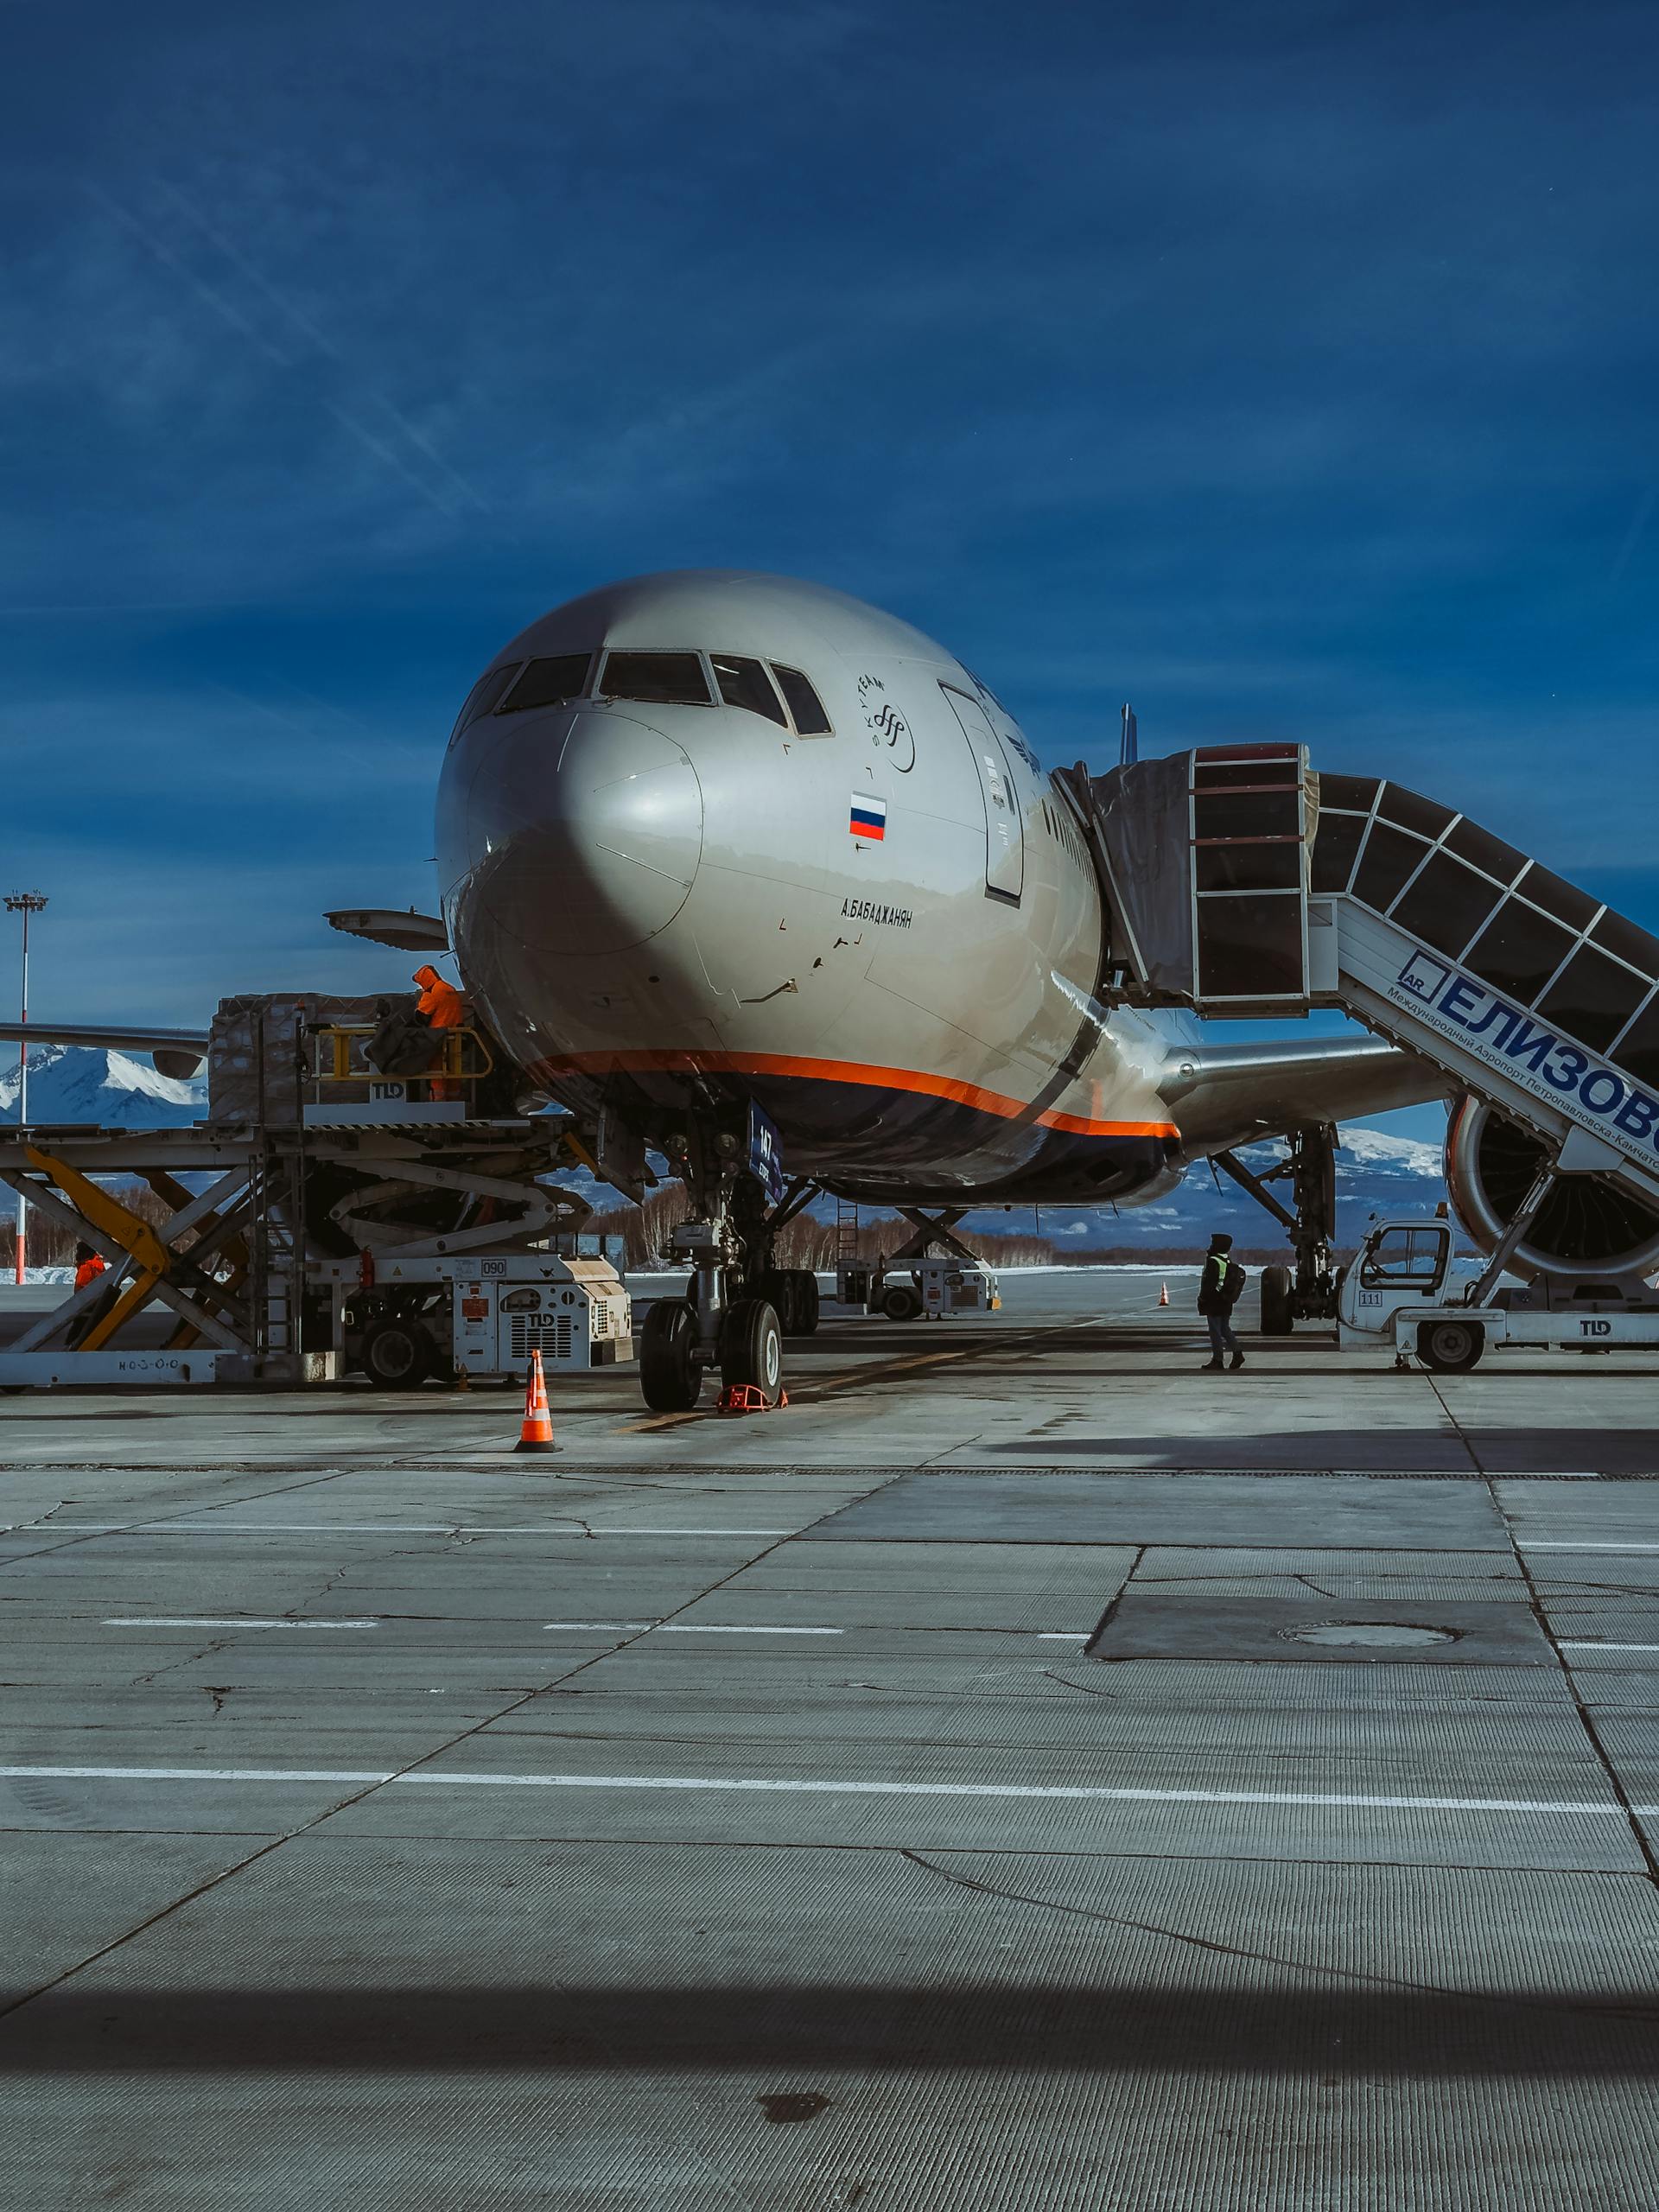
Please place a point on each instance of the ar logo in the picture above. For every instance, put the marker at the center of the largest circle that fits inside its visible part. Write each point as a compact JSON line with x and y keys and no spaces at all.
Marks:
{"x":887,"y":727}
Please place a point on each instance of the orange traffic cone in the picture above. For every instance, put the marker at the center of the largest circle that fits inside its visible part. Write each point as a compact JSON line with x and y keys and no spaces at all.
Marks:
{"x":537,"y":1434}
{"x":1163,"y":1293}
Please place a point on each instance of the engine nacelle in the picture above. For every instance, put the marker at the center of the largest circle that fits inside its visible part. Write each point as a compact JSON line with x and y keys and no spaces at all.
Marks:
{"x":1585,"y":1227}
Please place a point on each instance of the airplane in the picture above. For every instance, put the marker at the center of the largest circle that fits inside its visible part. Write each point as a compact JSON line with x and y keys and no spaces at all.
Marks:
{"x":750,"y":873}
{"x":716,"y":846}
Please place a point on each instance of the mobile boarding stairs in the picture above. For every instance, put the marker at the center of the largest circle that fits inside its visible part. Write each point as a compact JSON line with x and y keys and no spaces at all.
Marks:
{"x":1243,"y":885}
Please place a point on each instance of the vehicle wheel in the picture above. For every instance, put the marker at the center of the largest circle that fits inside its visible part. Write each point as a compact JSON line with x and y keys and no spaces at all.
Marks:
{"x":1451,"y":1347}
{"x":902,"y":1303}
{"x":670,"y":1374}
{"x":781,"y":1289}
{"x":396,"y":1354}
{"x":803,"y":1321}
{"x":1277,"y":1318}
{"x":751,"y":1348}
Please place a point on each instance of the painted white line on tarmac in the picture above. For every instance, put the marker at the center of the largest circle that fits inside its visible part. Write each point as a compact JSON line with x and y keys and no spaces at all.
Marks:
{"x":1560,"y":1544}
{"x":690,"y":1628}
{"x":1586,"y":1643}
{"x":354,"y":1528}
{"x":437,"y":1778}
{"x":420,"y":1528}
{"x":133,"y":1621}
{"x":193,"y":1774}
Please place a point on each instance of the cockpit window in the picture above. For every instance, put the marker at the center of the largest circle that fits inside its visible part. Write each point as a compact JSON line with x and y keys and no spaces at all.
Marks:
{"x":548,"y":683}
{"x":811,"y":720}
{"x":746,"y":684}
{"x":483,"y":695}
{"x":662,"y":679}
{"x":989,"y":694}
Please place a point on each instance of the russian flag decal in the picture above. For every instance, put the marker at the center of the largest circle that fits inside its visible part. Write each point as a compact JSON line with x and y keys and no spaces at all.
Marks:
{"x":869,"y":817}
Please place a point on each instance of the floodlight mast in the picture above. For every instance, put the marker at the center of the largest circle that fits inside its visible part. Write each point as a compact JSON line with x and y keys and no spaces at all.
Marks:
{"x":24,"y":903}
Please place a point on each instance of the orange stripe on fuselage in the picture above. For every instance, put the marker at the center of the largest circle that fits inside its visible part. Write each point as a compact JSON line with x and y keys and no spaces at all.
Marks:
{"x":854,"y":1071}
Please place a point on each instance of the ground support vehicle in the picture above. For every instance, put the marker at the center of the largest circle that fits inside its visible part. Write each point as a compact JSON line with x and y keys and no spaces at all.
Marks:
{"x":399,"y":1320}
{"x":1409,"y":1288}
{"x":930,"y":1290}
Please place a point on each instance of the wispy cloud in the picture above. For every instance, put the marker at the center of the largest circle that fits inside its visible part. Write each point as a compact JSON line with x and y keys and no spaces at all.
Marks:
{"x":1235,"y":364}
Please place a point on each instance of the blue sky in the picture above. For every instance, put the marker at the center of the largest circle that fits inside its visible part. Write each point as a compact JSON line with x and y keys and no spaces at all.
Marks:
{"x":1290,"y":370}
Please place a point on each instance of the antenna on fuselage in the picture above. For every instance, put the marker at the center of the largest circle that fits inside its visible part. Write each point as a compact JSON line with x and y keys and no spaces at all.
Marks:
{"x":1129,"y":750}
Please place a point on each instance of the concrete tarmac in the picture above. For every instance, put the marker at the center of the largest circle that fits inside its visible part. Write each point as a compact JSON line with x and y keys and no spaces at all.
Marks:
{"x":1025,"y":1773}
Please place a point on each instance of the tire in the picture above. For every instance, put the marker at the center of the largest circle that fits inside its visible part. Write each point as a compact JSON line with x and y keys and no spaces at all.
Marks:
{"x":670,"y":1374}
{"x":396,"y":1354}
{"x":1450,"y":1347}
{"x":752,"y":1349}
{"x":902,"y":1303}
{"x":803,"y":1322}
{"x":1277,"y":1318}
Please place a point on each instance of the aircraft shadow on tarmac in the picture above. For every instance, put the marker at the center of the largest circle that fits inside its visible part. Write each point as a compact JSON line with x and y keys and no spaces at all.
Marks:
{"x":1353,"y":2033}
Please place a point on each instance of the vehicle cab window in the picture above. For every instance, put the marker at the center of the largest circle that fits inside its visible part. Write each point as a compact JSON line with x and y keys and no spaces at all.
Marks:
{"x":746,"y":684}
{"x":1410,"y":1257}
{"x":803,"y":702}
{"x":656,"y":679}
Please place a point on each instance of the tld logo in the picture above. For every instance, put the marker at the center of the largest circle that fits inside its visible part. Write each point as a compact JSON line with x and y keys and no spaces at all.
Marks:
{"x":1589,"y":1328}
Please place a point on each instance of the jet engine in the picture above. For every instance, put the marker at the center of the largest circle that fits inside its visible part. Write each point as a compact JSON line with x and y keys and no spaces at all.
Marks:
{"x":1586,"y":1226}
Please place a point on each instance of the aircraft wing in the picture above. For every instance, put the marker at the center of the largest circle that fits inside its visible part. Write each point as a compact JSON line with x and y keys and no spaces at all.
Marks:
{"x":175,"y":1051}
{"x":1224,"y":1095}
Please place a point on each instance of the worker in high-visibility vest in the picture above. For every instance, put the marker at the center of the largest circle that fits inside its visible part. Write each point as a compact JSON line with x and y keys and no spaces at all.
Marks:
{"x":89,"y":1265}
{"x":441,"y":1006}
{"x":1218,"y":1292}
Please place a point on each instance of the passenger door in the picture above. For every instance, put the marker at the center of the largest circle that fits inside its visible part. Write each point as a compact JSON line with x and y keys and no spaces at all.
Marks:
{"x":1005,"y":834}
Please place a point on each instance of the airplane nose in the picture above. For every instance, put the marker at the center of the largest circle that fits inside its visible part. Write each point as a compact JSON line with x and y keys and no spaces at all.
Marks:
{"x":589,"y":845}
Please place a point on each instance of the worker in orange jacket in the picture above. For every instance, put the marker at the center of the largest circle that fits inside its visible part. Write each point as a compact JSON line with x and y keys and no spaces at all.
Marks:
{"x":441,"y":1006}
{"x":89,"y":1266}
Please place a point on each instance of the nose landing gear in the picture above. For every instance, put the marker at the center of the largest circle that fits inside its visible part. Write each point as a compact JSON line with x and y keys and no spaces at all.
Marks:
{"x":671,"y":1361}
{"x":729,"y":1317}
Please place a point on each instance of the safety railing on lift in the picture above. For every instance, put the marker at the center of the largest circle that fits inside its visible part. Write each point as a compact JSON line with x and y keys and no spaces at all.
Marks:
{"x":339,"y":1056}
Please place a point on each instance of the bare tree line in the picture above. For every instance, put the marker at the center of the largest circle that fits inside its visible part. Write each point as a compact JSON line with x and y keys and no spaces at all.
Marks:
{"x":51,"y":1245}
{"x":642,"y":1233}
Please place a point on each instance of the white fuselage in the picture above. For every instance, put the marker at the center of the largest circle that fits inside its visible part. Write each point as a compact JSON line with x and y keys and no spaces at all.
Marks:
{"x":888,"y":932}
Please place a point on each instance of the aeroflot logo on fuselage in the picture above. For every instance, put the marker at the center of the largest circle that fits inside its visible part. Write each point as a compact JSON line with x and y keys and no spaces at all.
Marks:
{"x":1536,"y":1057}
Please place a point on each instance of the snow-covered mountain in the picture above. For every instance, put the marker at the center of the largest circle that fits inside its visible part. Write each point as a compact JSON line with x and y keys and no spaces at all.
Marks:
{"x":1377,"y":1172}
{"x":1376,"y":1148}
{"x":70,"y":1082}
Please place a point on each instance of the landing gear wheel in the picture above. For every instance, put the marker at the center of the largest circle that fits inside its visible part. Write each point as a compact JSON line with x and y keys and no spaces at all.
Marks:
{"x":802,"y":1319}
{"x":752,"y":1349}
{"x":670,"y":1374}
{"x":1277,"y":1318}
{"x":1451,"y":1347}
{"x":396,"y":1355}
{"x":902,"y":1303}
